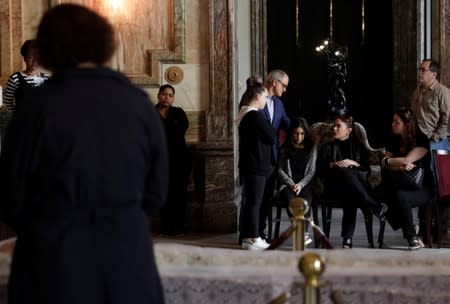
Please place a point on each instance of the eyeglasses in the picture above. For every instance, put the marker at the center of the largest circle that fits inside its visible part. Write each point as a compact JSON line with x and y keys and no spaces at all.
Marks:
{"x":282,"y":84}
{"x":422,"y":70}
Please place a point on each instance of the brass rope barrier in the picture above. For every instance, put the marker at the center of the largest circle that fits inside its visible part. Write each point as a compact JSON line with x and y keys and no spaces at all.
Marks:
{"x":311,"y":265}
{"x":298,"y":208}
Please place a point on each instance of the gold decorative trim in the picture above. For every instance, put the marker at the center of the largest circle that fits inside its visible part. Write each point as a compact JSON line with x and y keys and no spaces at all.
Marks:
{"x":174,"y":75}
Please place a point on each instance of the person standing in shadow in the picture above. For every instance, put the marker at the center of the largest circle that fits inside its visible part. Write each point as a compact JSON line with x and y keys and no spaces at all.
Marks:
{"x":176,"y":124}
{"x":83,"y":165}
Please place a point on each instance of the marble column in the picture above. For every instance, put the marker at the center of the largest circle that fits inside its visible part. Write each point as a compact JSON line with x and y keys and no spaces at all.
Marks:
{"x":444,"y":41}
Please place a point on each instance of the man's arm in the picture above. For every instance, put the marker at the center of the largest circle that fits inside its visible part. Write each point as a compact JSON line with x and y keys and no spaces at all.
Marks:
{"x":444,"y":113}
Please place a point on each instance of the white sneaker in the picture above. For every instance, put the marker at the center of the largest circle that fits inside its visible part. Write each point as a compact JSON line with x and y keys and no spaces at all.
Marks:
{"x":265,"y":242}
{"x":308,"y":239}
{"x":257,"y":244}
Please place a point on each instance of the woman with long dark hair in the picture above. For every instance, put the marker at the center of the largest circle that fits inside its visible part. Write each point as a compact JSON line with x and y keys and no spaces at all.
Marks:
{"x":297,"y":166}
{"x":256,"y":137}
{"x":409,"y":148}
{"x":344,"y":163}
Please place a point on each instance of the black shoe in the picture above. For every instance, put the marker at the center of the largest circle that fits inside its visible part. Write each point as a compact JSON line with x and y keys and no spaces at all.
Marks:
{"x":414,"y":243}
{"x":381,"y":212}
{"x":347,"y":243}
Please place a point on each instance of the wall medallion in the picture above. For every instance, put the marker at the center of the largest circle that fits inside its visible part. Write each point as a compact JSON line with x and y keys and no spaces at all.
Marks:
{"x":174,"y":75}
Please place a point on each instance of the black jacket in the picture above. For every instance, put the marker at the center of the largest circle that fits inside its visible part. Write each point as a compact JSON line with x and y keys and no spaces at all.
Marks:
{"x":85,"y":160}
{"x":256,"y":137}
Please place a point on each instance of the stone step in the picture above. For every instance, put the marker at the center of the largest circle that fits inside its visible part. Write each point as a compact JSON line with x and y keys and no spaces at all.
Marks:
{"x":212,"y":275}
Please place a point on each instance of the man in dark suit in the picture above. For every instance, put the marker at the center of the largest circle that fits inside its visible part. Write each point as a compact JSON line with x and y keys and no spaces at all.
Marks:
{"x":276,"y":84}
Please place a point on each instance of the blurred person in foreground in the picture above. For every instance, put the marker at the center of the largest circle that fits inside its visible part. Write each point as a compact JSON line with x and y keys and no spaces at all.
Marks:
{"x":83,"y":164}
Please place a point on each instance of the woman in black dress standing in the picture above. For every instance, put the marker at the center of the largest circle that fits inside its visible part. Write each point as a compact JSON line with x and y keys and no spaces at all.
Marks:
{"x":176,"y":124}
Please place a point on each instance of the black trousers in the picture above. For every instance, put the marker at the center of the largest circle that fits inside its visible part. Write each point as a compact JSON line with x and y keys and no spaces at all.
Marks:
{"x":401,"y":202}
{"x":254,"y":186}
{"x":174,"y":211}
{"x":269,"y":192}
{"x":351,"y":187}
{"x":286,"y":195}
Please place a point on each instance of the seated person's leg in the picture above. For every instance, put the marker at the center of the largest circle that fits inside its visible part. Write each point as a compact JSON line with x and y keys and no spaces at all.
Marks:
{"x":348,"y":224}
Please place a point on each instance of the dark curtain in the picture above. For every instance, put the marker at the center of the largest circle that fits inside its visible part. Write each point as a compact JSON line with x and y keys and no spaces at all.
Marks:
{"x":369,"y":65}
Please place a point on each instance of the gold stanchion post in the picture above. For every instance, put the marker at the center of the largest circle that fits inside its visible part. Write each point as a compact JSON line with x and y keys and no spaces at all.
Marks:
{"x":311,"y":265}
{"x":298,"y":208}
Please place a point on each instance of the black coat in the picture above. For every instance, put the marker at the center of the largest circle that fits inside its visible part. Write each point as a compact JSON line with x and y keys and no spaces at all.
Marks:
{"x":85,"y":160}
{"x":256,"y":137}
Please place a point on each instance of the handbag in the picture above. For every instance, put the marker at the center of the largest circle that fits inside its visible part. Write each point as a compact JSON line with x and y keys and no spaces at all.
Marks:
{"x":412,"y":179}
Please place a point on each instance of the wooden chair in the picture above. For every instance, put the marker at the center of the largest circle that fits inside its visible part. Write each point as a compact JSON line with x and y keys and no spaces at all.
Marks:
{"x":323,"y":131}
{"x":327,"y":205}
{"x":274,"y":202}
{"x":442,"y":158}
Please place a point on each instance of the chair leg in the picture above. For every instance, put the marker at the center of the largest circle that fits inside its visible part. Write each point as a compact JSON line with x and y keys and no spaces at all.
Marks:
{"x":269,"y":220}
{"x":324,"y":220}
{"x":428,"y":222}
{"x":277,"y":222}
{"x":315,"y":213}
{"x":329,"y":214}
{"x":368,"y":221}
{"x":381,"y":234}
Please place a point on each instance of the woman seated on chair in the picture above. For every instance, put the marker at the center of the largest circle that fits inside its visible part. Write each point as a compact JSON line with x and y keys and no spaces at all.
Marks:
{"x":297,"y":166}
{"x":409,"y":148}
{"x":344,"y":163}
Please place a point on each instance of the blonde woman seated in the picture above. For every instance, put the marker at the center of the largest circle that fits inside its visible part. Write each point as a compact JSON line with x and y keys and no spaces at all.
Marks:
{"x":409,"y":148}
{"x":297,"y":166}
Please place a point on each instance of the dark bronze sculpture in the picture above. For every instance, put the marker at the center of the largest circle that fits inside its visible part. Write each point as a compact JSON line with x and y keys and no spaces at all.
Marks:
{"x":337,"y":75}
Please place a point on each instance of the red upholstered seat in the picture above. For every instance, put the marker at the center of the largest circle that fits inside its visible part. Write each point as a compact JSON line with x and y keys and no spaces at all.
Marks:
{"x":442,"y":158}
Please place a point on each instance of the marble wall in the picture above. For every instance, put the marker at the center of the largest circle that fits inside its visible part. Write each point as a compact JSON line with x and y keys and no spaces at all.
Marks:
{"x":193,"y":38}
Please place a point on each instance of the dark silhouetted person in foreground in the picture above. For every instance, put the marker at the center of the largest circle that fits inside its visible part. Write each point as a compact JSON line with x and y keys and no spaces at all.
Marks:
{"x":83,"y":164}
